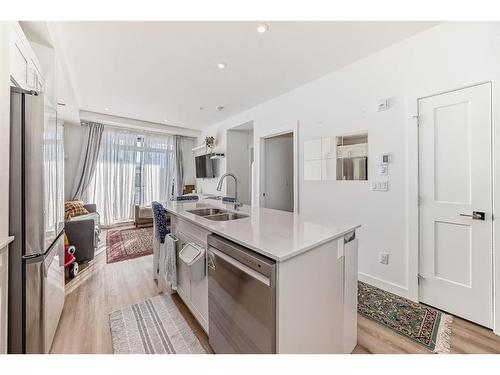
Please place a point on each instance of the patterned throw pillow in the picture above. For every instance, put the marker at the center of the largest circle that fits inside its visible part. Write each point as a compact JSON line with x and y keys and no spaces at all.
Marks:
{"x":159,"y":216}
{"x":74,"y":208}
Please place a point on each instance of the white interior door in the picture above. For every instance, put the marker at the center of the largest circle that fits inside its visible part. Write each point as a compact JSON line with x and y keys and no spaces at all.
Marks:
{"x":456,"y":190}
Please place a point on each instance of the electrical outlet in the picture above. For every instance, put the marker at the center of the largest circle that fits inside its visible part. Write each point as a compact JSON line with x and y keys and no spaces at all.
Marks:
{"x":382,"y":105}
{"x":383,"y":257}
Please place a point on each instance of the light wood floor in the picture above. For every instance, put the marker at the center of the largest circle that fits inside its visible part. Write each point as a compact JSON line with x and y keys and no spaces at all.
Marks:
{"x":103,"y":288}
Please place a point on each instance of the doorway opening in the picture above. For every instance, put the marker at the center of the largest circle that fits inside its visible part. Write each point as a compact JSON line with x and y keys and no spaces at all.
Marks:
{"x":278,"y":166}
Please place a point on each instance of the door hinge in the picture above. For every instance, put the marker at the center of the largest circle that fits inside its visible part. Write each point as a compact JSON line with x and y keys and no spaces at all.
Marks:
{"x":416,"y":117}
{"x":419,"y":200}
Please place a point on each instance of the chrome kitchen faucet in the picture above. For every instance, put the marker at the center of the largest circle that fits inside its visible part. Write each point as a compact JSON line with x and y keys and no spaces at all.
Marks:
{"x":219,"y":188}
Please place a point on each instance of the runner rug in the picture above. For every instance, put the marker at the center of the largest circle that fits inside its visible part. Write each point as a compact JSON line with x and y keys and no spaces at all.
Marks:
{"x":154,"y":326}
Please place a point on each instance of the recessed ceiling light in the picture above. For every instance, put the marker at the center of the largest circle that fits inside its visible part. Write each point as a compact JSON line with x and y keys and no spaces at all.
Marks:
{"x":106,"y":109}
{"x":222,"y":65}
{"x":219,"y":108}
{"x":165,"y":120}
{"x":262,"y":28}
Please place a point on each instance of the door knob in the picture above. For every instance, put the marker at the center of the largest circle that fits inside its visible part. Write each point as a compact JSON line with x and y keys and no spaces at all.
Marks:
{"x":476,"y":215}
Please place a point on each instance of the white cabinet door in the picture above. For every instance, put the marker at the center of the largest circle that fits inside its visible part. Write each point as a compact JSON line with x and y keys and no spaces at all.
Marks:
{"x":19,"y":61}
{"x":193,"y":293}
{"x":199,"y":298}
{"x":312,"y":170}
{"x":39,"y":82}
{"x":312,"y":149}
{"x":328,"y":145}
{"x":24,"y":66}
{"x":329,"y":169}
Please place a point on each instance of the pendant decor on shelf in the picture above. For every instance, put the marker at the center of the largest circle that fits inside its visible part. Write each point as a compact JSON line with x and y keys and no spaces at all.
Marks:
{"x":210,"y":144}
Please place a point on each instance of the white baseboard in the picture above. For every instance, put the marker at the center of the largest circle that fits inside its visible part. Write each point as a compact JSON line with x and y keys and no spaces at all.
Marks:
{"x":384,"y":285}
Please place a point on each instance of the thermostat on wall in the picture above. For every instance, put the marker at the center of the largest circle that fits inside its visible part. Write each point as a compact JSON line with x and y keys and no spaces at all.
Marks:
{"x":384,"y":159}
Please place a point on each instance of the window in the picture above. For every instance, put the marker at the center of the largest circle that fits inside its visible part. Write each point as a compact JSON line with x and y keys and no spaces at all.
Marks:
{"x":131,"y":169}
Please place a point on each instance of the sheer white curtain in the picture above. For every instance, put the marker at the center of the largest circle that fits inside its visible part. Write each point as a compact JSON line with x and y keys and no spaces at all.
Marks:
{"x":131,"y":168}
{"x":158,"y":168}
{"x":112,"y":187}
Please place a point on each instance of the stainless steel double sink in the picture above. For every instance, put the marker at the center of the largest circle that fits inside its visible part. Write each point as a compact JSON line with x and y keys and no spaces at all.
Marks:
{"x":216,"y":214}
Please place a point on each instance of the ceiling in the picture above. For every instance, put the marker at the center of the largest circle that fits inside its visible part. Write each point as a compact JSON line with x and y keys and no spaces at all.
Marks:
{"x":163,"y":72}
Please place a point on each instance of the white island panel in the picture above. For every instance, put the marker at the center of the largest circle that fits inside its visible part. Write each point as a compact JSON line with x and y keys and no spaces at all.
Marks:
{"x":309,"y":302}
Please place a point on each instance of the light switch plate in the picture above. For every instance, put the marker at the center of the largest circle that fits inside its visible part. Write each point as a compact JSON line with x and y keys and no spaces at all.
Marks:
{"x":383,"y":170}
{"x":379,"y":185}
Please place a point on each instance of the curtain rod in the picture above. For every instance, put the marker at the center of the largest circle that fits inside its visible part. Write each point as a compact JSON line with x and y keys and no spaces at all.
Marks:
{"x":135,"y":129}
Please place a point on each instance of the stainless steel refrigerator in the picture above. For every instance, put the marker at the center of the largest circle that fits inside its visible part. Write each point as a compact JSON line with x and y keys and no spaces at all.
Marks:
{"x":36,"y":219}
{"x":352,"y":168}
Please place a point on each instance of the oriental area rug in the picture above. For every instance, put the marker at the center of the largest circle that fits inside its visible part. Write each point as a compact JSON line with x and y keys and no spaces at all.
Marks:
{"x":420,"y":323}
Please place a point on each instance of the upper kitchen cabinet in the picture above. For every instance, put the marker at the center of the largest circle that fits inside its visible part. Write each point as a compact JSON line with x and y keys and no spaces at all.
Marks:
{"x":25,"y":69}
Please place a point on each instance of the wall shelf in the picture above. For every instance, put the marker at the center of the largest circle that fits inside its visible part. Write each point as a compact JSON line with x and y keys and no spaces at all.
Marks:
{"x":198,"y":147}
{"x":217,"y":156}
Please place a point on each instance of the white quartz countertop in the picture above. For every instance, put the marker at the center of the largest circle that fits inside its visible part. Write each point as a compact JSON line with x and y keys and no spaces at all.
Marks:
{"x":279,"y":235}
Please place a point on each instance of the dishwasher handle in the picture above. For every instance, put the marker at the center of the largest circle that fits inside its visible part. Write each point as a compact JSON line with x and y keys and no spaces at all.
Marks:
{"x":213,"y":252}
{"x":211,"y":260}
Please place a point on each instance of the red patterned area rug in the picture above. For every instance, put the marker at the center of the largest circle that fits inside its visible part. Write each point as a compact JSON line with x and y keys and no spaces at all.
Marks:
{"x":123,"y":244}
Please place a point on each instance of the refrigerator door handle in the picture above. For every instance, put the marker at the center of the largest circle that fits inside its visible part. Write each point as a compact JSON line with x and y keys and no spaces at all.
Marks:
{"x":53,"y":251}
{"x":33,"y":258}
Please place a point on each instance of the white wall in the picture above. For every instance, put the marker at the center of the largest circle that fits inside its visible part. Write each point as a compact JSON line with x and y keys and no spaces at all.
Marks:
{"x":278,"y":173}
{"x":73,"y":139}
{"x":448,"y":56}
{"x":238,"y":147}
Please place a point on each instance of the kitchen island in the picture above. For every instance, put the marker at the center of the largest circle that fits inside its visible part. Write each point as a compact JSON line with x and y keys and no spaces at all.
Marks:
{"x":274,"y":281}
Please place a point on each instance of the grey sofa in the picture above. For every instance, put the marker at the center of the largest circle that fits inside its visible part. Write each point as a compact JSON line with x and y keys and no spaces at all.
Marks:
{"x":83,"y":232}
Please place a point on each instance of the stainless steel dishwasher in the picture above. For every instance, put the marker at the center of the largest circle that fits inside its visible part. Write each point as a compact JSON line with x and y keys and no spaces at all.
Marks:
{"x":241,"y":299}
